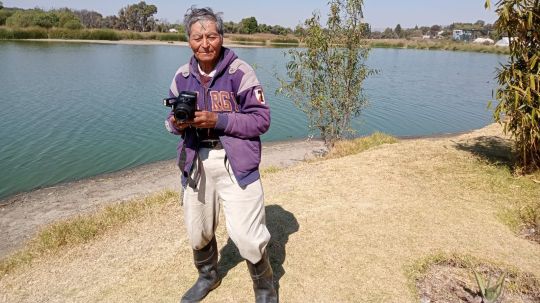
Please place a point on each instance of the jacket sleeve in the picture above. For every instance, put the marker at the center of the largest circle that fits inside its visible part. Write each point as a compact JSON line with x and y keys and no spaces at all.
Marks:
{"x":253,"y":116}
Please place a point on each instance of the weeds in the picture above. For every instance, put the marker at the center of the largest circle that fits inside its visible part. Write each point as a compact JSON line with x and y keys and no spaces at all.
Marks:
{"x":284,"y":41}
{"x":439,"y":45}
{"x":489,"y":293}
{"x":82,"y":229}
{"x":350,"y":147}
{"x":85,"y":34}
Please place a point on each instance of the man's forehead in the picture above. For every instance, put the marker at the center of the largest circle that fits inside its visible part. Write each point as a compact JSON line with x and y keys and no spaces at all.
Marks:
{"x":204,"y":26}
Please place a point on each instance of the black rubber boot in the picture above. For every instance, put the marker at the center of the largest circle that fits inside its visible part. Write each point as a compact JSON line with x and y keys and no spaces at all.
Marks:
{"x":263,"y":280}
{"x":206,"y":262}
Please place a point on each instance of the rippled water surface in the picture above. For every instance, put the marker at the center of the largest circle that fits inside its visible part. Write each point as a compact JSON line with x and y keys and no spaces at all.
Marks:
{"x":70,"y":111}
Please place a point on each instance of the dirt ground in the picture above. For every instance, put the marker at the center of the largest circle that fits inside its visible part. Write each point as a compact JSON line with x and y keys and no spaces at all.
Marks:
{"x":343,"y":230}
{"x":22,"y":215}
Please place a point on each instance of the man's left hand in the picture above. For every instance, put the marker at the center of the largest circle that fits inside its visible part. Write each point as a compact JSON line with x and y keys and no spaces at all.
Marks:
{"x":204,"y":119}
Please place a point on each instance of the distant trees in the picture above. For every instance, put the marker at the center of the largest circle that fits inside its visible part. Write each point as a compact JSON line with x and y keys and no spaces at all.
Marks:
{"x":137,"y":17}
{"x":36,"y":17}
{"x":388,"y":34}
{"x":90,"y":19}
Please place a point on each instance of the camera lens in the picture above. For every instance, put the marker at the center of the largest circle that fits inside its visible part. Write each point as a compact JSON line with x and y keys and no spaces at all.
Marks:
{"x":181,"y":115}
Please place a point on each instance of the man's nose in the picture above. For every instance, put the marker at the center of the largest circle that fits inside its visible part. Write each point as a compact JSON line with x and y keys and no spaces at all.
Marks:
{"x":205,"y":42}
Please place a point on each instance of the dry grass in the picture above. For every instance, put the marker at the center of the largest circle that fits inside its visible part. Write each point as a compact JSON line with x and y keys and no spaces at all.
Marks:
{"x":343,"y":230}
{"x":350,"y":147}
{"x":270,"y":170}
{"x":448,"y":45}
{"x":82,"y":229}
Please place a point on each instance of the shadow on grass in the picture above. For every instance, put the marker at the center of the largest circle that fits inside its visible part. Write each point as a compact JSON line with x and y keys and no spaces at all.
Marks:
{"x":280,"y":224}
{"x":494,"y":150}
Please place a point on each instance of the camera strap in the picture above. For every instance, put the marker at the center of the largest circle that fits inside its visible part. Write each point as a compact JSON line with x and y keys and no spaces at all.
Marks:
{"x":192,"y":182}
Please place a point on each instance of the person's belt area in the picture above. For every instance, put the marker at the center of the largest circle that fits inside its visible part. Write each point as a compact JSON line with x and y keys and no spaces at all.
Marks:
{"x":211,"y":143}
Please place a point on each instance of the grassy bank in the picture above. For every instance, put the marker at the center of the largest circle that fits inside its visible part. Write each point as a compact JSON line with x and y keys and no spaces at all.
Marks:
{"x":83,"y":229}
{"x":7,"y":33}
{"x":438,"y":45}
{"x":375,"y":221}
{"x":84,"y":34}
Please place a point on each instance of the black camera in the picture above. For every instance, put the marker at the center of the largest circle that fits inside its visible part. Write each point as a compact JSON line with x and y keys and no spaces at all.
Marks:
{"x":183,"y":106}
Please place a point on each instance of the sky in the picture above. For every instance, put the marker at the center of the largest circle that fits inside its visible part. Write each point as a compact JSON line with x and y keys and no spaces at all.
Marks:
{"x":379,"y":13}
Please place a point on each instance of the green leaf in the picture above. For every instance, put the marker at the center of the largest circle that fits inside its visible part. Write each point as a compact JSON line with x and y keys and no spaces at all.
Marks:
{"x":499,"y":286}
{"x":481,"y":283}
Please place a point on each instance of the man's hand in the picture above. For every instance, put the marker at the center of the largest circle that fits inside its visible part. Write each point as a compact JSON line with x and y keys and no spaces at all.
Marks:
{"x":204,"y":119}
{"x":181,"y":126}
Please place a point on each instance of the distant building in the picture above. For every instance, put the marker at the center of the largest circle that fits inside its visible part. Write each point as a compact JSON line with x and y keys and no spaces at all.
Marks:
{"x":456,"y":34}
{"x":173,"y":30}
{"x":465,"y":34}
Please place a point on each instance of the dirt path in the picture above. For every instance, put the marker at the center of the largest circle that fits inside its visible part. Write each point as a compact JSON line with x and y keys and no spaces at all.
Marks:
{"x":344,"y":230}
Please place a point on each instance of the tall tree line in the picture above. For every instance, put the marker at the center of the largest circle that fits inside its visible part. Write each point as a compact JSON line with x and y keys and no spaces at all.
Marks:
{"x":136,"y":17}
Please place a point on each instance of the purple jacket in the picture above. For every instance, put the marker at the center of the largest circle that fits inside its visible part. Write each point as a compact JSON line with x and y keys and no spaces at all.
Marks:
{"x":236,"y":95}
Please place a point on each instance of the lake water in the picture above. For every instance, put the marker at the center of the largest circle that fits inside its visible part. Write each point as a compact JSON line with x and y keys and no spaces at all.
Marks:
{"x":70,"y":111}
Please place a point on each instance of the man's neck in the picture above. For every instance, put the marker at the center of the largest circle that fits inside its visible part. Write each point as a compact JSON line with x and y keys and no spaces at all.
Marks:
{"x":208,"y":72}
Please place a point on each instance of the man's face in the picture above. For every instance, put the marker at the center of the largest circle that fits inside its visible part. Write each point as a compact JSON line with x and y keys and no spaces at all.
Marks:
{"x":205,"y":41}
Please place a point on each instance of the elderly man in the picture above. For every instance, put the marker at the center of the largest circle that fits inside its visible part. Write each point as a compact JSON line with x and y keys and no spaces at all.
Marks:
{"x":219,"y":155}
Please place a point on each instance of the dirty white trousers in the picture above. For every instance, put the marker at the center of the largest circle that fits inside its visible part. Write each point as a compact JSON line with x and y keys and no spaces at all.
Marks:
{"x":243,"y":207}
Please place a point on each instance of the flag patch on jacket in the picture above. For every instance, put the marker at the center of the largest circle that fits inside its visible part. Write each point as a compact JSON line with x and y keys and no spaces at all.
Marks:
{"x":259,"y":94}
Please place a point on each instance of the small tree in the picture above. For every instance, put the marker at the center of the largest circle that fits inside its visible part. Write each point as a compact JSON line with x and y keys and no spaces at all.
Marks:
{"x":518,"y":93}
{"x":326,"y":77}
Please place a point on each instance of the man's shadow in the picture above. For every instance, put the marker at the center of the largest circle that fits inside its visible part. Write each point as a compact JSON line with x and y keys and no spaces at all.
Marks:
{"x":280,"y":224}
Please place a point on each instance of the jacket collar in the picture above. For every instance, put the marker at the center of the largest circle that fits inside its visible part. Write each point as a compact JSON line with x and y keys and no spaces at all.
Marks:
{"x":227,"y":56}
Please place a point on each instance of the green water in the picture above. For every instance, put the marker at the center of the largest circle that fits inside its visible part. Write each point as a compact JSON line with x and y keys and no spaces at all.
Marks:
{"x":70,"y":111}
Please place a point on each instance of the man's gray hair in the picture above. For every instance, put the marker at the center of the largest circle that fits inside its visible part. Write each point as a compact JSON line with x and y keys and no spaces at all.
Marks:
{"x":194,"y":14}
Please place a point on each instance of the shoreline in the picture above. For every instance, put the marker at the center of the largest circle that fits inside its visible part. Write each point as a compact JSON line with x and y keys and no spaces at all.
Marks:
{"x":374,"y":43}
{"x":12,"y":198}
{"x":226,"y":43}
{"x":22,"y":215}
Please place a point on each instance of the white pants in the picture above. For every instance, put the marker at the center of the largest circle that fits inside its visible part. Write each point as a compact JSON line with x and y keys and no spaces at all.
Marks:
{"x":243,"y":207}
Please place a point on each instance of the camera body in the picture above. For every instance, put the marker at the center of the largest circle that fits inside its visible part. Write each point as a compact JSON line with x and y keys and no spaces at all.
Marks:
{"x":183,"y":106}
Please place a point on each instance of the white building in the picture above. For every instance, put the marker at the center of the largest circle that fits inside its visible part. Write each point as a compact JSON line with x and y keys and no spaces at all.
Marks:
{"x":173,"y":30}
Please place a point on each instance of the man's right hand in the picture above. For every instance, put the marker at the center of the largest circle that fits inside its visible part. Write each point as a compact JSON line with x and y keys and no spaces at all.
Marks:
{"x":181,"y":126}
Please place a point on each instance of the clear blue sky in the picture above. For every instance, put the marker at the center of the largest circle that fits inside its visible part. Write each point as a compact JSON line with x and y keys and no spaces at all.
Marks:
{"x":379,"y":13}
